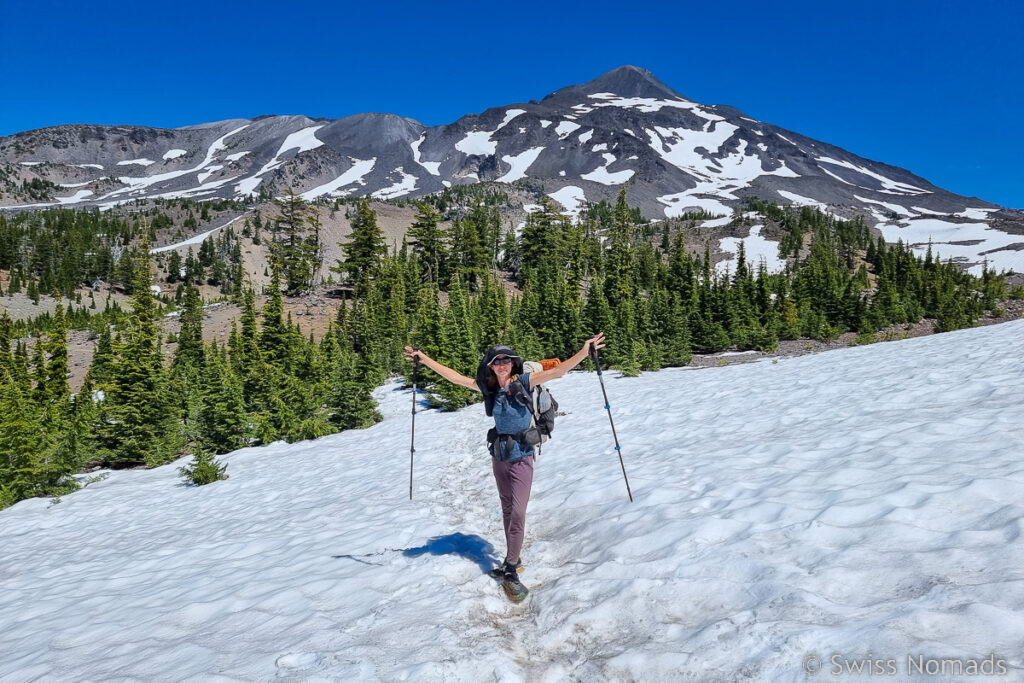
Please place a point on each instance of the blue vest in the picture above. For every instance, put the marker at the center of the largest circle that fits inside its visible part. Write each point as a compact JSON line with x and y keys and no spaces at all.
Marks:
{"x":512,"y":417}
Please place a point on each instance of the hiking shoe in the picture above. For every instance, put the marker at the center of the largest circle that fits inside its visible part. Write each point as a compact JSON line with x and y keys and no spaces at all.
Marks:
{"x":505,"y":568}
{"x":515,"y":591}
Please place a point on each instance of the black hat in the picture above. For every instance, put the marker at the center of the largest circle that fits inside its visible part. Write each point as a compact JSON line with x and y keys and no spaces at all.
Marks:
{"x":483,"y":372}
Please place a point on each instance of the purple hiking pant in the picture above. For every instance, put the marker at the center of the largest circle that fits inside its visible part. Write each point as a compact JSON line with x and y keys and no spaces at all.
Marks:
{"x":514,"y":480}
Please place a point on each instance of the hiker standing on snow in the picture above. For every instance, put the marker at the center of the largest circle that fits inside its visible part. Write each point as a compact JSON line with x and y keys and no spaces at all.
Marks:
{"x":506,"y":391}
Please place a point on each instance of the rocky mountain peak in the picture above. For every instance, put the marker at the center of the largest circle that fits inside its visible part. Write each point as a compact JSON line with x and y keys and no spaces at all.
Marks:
{"x":626,"y":81}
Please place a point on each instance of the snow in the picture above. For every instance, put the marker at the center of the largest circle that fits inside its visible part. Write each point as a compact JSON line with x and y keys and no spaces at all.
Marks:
{"x":140,"y":162}
{"x":31,"y":163}
{"x":895,"y":208}
{"x":301,"y":141}
{"x":584,"y":137}
{"x":237,"y":155}
{"x":890,"y":186}
{"x":509,"y":115}
{"x":432,"y":167}
{"x":174,"y":153}
{"x":520,"y":163}
{"x":862,"y":500}
{"x":75,"y":198}
{"x":602,"y":175}
{"x":87,"y":182}
{"x":137,"y":185}
{"x":564,"y":128}
{"x":756,"y":249}
{"x":800,"y":200}
{"x":929,"y":211}
{"x":208,"y":172}
{"x":544,"y":123}
{"x":403,"y":187}
{"x":570,"y":197}
{"x":717,"y":222}
{"x":197,"y":239}
{"x":477,"y":142}
{"x":355,"y":174}
{"x":975,"y":214}
{"x":89,"y":166}
{"x":643,"y":104}
{"x":689,"y":151}
{"x":948,"y":242}
{"x":603,"y":147}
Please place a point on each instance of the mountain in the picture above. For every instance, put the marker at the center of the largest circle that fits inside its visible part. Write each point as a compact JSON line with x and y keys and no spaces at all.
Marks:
{"x":578,"y":144}
{"x":865,"y":500}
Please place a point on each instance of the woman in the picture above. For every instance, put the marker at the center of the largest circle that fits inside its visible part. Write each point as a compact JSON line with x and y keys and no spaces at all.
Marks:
{"x":506,"y":389}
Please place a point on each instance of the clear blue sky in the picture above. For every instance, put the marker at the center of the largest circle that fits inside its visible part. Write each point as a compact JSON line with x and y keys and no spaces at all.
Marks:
{"x":935,"y":87}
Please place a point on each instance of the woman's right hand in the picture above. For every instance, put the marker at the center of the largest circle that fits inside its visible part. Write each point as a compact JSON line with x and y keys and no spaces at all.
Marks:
{"x":414,"y":354}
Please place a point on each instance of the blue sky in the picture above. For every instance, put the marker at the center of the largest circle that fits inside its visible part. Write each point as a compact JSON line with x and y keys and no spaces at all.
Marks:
{"x":934,"y":87}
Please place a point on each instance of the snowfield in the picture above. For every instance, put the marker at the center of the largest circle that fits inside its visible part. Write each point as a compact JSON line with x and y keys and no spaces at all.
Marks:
{"x":864,"y":502}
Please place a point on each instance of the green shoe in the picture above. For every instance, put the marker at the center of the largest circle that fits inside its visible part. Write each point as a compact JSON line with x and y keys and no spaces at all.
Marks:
{"x":515,"y":590}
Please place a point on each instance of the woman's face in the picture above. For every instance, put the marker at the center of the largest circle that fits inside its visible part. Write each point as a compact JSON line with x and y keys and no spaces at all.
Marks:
{"x":502,"y":368}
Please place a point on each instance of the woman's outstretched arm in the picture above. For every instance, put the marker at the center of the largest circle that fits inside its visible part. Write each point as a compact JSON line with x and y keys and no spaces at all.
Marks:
{"x":443,"y":370}
{"x":554,"y":373}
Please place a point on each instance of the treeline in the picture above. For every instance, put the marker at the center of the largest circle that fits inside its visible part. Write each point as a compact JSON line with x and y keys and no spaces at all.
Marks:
{"x":446,"y":290}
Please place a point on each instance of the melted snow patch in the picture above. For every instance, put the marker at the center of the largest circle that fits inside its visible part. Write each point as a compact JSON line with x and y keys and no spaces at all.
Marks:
{"x":802,"y":201}
{"x":301,"y":141}
{"x":895,"y":208}
{"x":354,"y":174}
{"x":208,"y":172}
{"x":520,"y":163}
{"x":756,"y":250}
{"x":431,"y":166}
{"x":404,"y":186}
{"x":564,"y":128}
{"x":570,"y":197}
{"x":603,"y":176}
{"x":174,"y":153}
{"x":976,"y":214}
{"x":947,"y":240}
{"x":477,"y":142}
{"x":891,"y":186}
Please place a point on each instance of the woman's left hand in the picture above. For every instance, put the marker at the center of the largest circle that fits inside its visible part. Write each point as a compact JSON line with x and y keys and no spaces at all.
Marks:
{"x":596,"y":342}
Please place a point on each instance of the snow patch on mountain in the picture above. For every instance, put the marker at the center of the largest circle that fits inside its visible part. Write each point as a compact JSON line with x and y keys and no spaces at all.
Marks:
{"x":139,"y":162}
{"x":236,"y":156}
{"x":355,"y":174}
{"x":403,"y":187}
{"x":432,"y":167}
{"x":565,"y":128}
{"x":301,"y":141}
{"x":756,"y":250}
{"x":477,"y":142}
{"x":572,"y":198}
{"x":520,"y":163}
{"x":890,"y":186}
{"x":967,"y":242}
{"x":174,"y":153}
{"x":800,"y":200}
{"x":603,"y":176}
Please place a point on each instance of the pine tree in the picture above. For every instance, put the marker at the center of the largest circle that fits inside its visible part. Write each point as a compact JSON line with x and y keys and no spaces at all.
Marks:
{"x":428,"y":243}
{"x":142,"y":423}
{"x":365,"y":249}
{"x":57,"y":369}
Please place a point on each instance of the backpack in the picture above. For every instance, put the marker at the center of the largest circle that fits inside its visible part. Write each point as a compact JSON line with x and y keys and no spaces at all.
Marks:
{"x":544,"y":405}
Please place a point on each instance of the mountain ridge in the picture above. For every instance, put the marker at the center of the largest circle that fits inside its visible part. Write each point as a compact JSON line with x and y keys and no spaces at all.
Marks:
{"x":581,"y":143}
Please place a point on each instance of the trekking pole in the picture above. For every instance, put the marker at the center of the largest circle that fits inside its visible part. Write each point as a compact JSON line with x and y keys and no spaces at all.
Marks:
{"x":608,"y":407}
{"x":412,"y":443}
